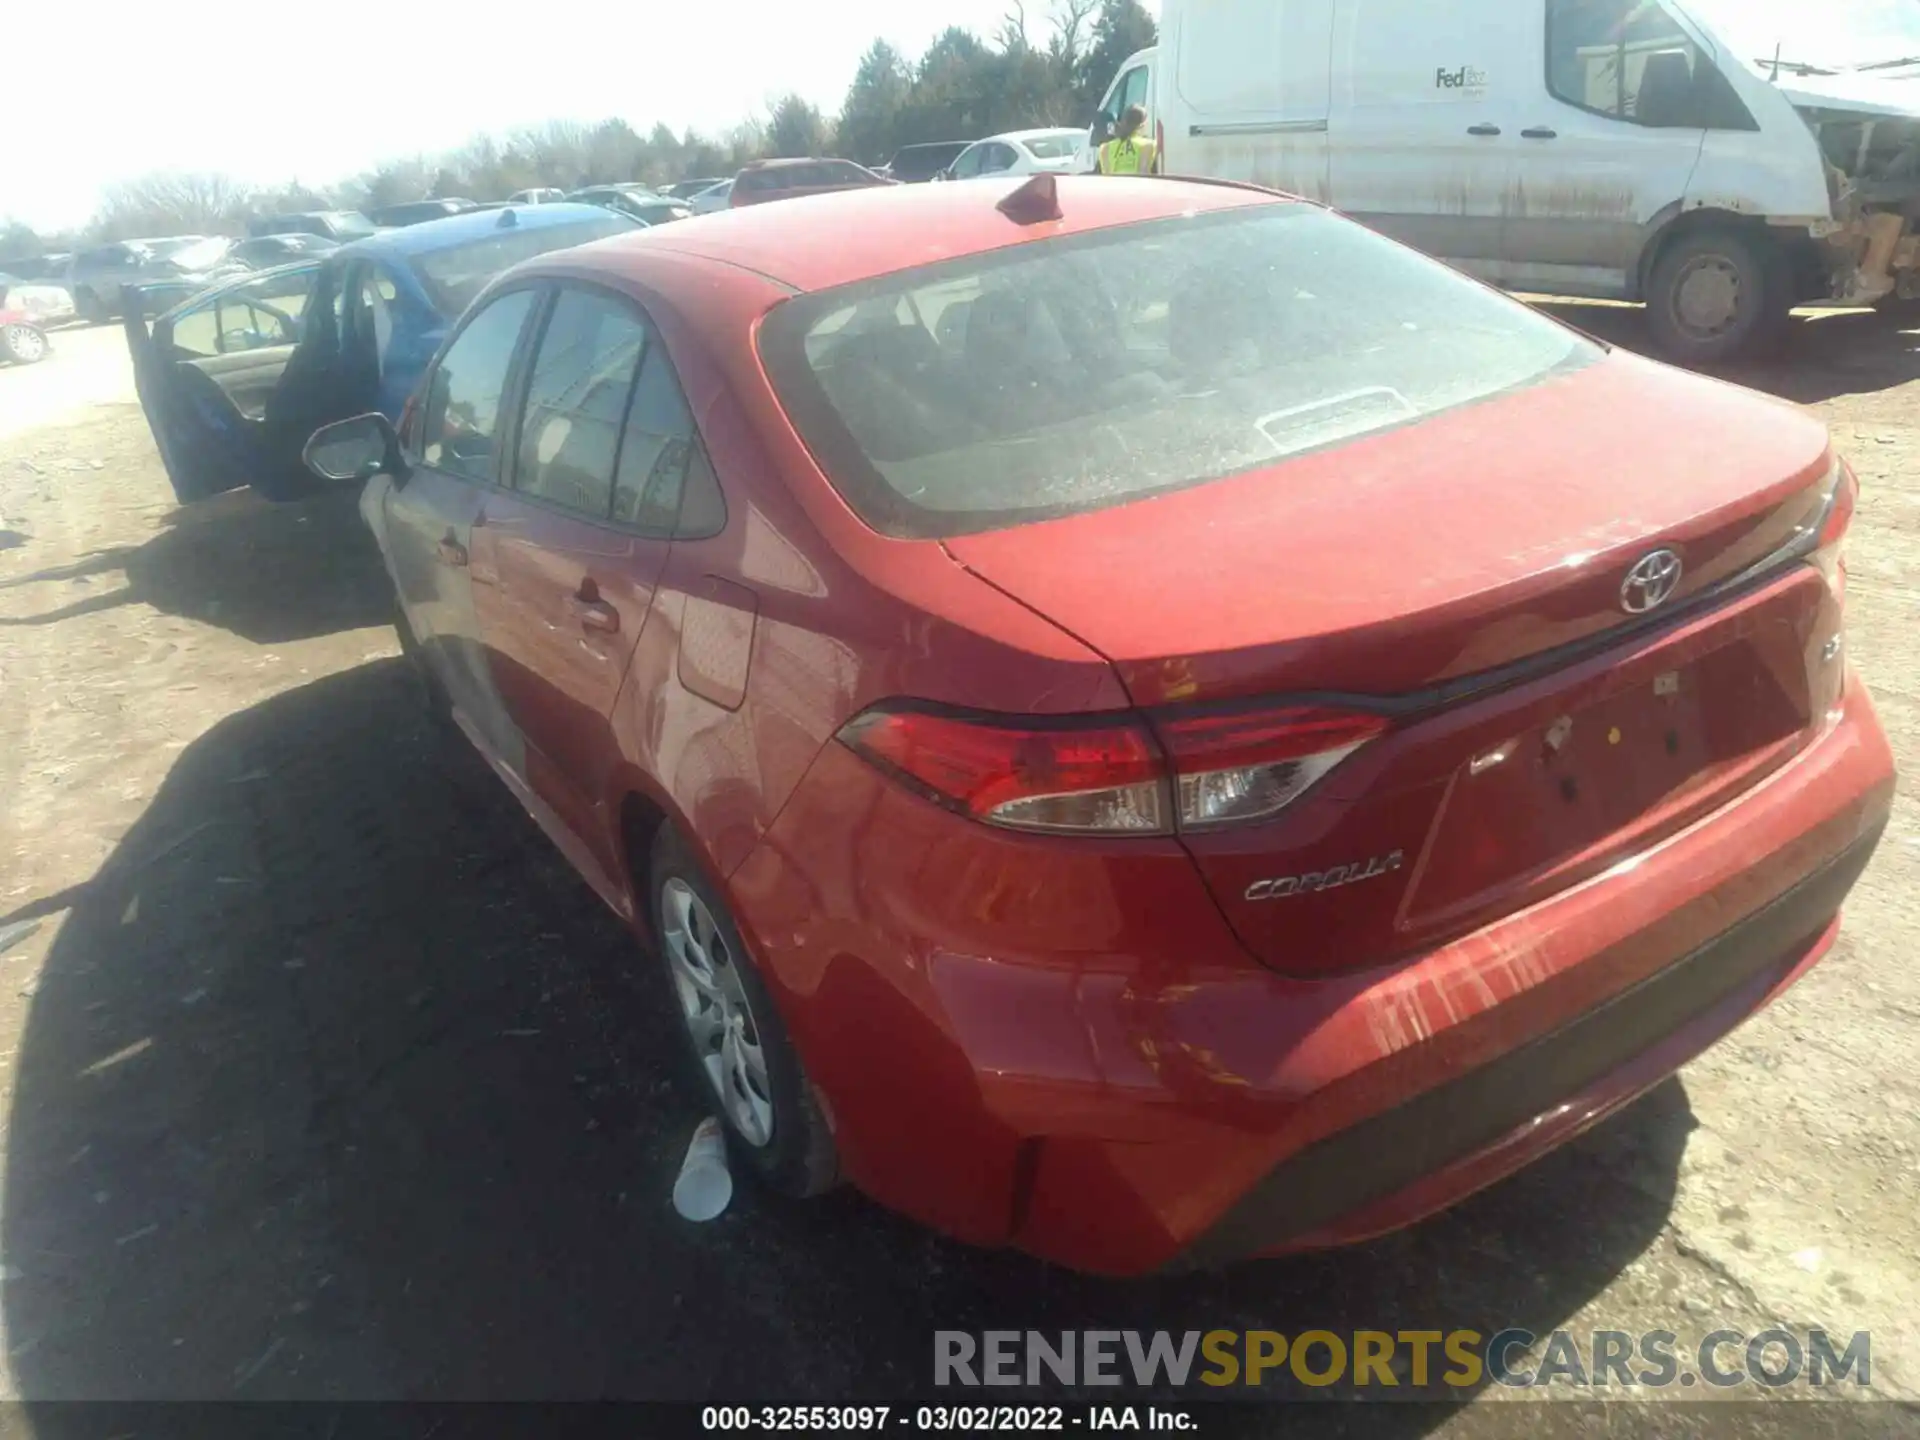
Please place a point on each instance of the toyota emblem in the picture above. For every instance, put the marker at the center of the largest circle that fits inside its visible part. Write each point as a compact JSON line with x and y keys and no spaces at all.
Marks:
{"x":1651,"y":582}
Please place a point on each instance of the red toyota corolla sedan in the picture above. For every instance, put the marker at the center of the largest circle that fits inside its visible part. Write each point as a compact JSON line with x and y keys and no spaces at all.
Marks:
{"x":1147,"y":723}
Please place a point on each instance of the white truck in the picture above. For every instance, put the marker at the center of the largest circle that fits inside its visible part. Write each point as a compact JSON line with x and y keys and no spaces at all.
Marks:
{"x":1720,"y":160}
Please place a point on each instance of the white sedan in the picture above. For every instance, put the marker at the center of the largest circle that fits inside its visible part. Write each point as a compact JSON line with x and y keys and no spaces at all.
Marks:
{"x":714,"y":197}
{"x":1021,"y":152}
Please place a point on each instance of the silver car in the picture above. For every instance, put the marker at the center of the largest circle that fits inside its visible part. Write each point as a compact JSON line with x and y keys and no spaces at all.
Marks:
{"x":95,"y":277}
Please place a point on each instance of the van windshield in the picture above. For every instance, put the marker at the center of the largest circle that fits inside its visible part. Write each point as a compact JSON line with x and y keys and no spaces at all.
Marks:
{"x":1832,"y":35}
{"x":1061,"y":376}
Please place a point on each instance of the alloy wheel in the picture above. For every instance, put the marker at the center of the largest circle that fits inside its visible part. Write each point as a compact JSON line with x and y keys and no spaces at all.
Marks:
{"x":24,"y":343}
{"x":718,"y":1015}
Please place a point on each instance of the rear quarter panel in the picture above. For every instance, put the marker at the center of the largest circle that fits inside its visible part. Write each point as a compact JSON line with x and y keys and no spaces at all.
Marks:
{"x":831,"y":616}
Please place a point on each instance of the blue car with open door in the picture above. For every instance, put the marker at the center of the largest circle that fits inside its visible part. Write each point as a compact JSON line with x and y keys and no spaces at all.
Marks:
{"x":234,"y":379}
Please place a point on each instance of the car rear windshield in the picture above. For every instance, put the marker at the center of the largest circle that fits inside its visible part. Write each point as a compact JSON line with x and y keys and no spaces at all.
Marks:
{"x":1062,"y":376}
{"x":1054,"y":147}
{"x":452,"y":277}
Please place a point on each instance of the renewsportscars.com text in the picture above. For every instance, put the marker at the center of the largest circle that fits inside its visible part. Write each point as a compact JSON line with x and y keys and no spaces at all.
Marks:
{"x":1379,"y":1361}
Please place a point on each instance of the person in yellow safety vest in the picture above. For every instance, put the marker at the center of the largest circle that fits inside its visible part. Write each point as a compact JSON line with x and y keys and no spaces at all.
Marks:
{"x":1126,"y":155}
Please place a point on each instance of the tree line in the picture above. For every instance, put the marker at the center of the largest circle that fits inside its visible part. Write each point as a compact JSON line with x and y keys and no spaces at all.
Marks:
{"x":962,"y":87}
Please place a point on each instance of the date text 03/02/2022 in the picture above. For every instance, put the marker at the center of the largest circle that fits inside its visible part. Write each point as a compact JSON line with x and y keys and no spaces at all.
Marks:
{"x":964,"y":1419}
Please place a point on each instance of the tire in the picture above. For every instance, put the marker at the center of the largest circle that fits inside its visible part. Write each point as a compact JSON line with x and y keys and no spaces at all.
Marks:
{"x":794,"y":1155}
{"x":23,"y":344}
{"x":1717,"y":295}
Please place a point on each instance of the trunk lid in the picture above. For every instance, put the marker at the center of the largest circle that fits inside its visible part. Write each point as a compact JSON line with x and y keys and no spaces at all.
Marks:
{"x":1465,"y":576}
{"x":1411,"y":558}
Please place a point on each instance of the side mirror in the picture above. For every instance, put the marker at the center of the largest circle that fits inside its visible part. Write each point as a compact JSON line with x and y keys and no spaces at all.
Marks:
{"x":1100,"y":131}
{"x":354,"y":451}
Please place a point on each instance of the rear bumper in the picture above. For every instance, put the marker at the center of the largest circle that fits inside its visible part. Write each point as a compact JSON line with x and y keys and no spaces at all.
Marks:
{"x":1442,"y":1144}
{"x":1030,"y":1043}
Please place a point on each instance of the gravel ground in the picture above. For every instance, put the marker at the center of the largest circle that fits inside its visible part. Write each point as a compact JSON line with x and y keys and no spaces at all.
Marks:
{"x":327,"y":1079}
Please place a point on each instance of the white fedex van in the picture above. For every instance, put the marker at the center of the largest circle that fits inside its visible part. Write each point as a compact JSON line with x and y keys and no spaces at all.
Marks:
{"x":1132,"y":85}
{"x":1721,"y":160}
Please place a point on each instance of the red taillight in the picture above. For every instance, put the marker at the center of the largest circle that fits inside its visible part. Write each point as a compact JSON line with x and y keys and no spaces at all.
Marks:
{"x":1829,"y":545}
{"x":1232,"y":768}
{"x":1846,"y":493}
{"x":1097,"y":779}
{"x":1109,"y":776}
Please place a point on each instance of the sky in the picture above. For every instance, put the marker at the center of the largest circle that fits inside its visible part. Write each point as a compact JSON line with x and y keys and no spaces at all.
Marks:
{"x":273,"y":92}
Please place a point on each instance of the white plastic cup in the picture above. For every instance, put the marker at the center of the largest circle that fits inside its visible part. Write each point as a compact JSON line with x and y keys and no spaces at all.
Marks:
{"x":705,"y":1185}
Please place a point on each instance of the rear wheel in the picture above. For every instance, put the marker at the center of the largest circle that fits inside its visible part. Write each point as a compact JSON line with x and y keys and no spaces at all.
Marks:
{"x":747,"y":1065}
{"x":1716,"y":295}
{"x":23,"y":344}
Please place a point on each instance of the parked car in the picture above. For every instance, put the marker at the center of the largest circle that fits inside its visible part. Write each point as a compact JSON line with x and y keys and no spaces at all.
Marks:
{"x":1133,"y":84}
{"x":414,"y":212}
{"x":915,"y":164}
{"x":43,"y":304}
{"x":23,"y":335}
{"x":766,"y":180}
{"x":716,"y":197}
{"x":1019,"y":152}
{"x":1148,"y":721}
{"x":98,"y":276}
{"x":538,"y":195}
{"x":236,"y":379}
{"x":687,"y":189}
{"x":263,"y":252}
{"x":1721,"y":162}
{"x":341,"y":225}
{"x":51,"y":267}
{"x":637,"y":202}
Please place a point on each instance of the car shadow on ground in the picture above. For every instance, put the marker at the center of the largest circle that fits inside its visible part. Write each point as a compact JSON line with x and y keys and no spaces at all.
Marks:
{"x":269,"y":573}
{"x":1825,"y":354}
{"x":338,"y":1083}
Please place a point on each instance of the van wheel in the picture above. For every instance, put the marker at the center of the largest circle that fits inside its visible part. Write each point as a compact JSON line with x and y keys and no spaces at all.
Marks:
{"x":1715,"y":295}
{"x":747,"y":1068}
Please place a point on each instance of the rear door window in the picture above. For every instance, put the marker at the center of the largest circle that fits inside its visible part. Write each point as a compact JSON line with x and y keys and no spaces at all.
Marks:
{"x":461,"y":426}
{"x":577,"y":398}
{"x":658,"y":447}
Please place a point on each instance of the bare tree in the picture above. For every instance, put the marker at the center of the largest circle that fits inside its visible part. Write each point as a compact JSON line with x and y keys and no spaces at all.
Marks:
{"x":1069,"y":40}
{"x":170,"y":204}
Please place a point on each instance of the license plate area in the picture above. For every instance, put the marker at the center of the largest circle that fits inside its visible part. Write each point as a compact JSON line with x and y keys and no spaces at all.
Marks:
{"x":1614,"y":774}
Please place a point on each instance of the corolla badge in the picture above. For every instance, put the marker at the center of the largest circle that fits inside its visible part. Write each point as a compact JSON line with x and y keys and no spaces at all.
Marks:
{"x":1315,"y":881}
{"x":1651,"y":582}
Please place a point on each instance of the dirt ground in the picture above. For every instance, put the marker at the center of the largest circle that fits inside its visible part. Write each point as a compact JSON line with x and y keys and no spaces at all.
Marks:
{"x":325,"y":1078}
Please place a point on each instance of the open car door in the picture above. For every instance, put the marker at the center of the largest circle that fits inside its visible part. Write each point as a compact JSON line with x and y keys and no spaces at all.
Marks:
{"x":205,"y":371}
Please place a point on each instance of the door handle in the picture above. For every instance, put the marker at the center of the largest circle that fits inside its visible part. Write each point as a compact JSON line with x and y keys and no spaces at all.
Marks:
{"x":450,"y":552}
{"x":1540,"y":132}
{"x":594,"y":615}
{"x":1483,"y":130}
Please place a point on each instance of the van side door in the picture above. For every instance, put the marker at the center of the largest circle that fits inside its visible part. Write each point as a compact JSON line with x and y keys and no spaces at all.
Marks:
{"x":1425,"y":110}
{"x":1247,"y":94}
